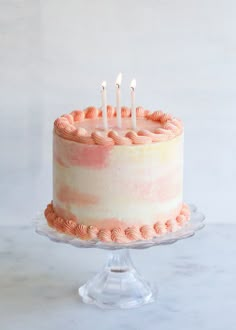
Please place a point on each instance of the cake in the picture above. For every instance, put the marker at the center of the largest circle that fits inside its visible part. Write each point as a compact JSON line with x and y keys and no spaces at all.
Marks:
{"x":119,"y":185}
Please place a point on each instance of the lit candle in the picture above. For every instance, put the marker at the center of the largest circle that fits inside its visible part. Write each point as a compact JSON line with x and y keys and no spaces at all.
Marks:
{"x":118,"y":108}
{"x":104,"y":105}
{"x":133,"y":109}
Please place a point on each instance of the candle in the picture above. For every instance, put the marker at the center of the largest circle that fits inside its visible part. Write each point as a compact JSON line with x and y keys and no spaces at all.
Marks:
{"x":118,"y":108}
{"x":104,"y":105}
{"x":133,"y":109}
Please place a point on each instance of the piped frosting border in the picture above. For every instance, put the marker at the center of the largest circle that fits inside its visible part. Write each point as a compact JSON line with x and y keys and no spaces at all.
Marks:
{"x":168,"y":128}
{"x":118,"y":235}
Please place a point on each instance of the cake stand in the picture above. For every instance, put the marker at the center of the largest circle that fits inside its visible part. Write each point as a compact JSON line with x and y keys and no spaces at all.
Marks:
{"x":119,"y":285}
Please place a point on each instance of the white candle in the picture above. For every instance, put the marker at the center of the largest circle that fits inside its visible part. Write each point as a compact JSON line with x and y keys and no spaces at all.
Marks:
{"x":118,"y":108}
{"x":104,"y":105}
{"x":133,"y":109}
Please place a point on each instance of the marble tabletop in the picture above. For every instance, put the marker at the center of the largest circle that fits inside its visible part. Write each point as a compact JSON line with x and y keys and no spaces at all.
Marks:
{"x":195,"y":277}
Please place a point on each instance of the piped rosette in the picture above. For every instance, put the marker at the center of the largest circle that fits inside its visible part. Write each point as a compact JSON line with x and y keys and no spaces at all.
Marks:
{"x":70,"y":127}
{"x":117,"y":235}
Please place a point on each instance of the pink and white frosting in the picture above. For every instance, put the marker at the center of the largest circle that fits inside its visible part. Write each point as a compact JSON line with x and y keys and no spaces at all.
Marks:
{"x":117,"y":234}
{"x":73,"y":127}
{"x":120,"y":184}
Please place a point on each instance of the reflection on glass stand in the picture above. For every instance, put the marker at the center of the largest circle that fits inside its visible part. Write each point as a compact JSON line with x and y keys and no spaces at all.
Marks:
{"x":119,"y":285}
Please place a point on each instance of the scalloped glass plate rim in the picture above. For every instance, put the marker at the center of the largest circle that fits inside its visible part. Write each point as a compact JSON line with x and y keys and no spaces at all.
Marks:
{"x":195,"y":224}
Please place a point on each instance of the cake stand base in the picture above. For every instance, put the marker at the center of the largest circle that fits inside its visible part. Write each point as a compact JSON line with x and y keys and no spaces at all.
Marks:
{"x":118,"y":285}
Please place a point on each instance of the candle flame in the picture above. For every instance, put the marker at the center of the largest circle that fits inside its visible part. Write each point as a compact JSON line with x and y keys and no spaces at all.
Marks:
{"x":133,"y":84}
{"x":104,"y":84}
{"x":118,"y":79}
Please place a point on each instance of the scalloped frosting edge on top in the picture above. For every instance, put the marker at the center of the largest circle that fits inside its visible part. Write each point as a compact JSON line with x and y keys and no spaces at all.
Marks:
{"x":168,"y":127}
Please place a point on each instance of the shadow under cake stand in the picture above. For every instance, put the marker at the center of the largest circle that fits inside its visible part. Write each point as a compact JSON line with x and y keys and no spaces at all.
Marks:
{"x":119,"y":285}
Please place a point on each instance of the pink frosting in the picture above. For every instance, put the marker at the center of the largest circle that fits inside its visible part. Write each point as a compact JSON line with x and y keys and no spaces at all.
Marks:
{"x":167,"y":128}
{"x":68,"y":153}
{"x":68,"y":195}
{"x":118,"y":235}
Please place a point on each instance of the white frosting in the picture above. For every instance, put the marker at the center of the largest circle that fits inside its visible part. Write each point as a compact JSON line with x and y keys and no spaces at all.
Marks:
{"x":134,"y":186}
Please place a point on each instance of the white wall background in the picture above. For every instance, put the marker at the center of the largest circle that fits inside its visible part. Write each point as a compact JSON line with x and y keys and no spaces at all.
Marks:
{"x":54,"y":55}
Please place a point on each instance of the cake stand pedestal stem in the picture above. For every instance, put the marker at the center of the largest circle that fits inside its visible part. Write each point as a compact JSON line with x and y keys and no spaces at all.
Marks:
{"x":118,"y":285}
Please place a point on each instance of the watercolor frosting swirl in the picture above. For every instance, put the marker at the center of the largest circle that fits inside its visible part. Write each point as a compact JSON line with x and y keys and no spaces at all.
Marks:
{"x":117,"y":185}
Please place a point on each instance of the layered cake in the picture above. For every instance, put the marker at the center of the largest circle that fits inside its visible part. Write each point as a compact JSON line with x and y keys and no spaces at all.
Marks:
{"x":118,"y":185}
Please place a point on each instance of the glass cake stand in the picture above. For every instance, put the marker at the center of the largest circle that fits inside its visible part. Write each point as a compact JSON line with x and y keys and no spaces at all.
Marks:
{"x":119,"y":285}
